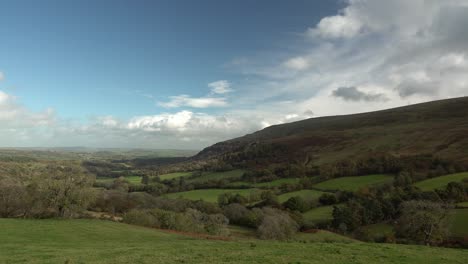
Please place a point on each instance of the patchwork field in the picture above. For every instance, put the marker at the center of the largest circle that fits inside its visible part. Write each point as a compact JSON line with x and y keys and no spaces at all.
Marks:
{"x":234,"y":174}
{"x":440,"y":182}
{"x":319,"y":214}
{"x":353,"y":183}
{"x":131,"y":179}
{"x":95,"y":241}
{"x":305,"y":194}
{"x":208,"y":195}
{"x":174,"y":175}
{"x":459,"y":222}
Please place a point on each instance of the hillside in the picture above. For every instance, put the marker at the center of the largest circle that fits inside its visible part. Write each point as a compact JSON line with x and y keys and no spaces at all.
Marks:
{"x":438,"y":128}
{"x":96,"y":241}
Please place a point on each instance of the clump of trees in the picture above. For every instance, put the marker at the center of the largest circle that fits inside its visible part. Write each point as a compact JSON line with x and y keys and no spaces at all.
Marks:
{"x":54,"y":190}
{"x":191,"y":220}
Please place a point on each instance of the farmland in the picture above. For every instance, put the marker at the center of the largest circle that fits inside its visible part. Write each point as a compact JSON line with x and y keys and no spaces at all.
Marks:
{"x":353,"y":183}
{"x":65,"y":241}
{"x":305,"y":194}
{"x":208,"y":195}
{"x":440,"y":182}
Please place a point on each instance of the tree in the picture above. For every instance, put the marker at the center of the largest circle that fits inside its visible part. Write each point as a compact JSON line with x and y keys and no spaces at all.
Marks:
{"x":328,"y":199}
{"x":296,"y":203}
{"x":277,"y":225}
{"x":423,"y":222}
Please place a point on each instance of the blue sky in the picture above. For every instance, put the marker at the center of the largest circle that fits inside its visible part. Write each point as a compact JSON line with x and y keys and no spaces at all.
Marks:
{"x":186,"y":74}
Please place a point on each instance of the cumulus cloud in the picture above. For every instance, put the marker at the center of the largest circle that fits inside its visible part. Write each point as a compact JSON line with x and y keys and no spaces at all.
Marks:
{"x":354,"y":94}
{"x":220,"y":87}
{"x":196,"y":102}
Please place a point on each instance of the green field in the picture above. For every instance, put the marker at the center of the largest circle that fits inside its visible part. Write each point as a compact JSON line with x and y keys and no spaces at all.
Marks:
{"x":131,"y":179}
{"x":174,"y":175}
{"x":353,"y":183}
{"x":440,"y":182}
{"x":96,"y":241}
{"x":323,"y":236}
{"x":462,"y":204}
{"x":208,"y":195}
{"x":305,"y":194}
{"x":459,"y":222}
{"x":277,"y":183}
{"x":207,"y":176}
{"x":319,"y":214}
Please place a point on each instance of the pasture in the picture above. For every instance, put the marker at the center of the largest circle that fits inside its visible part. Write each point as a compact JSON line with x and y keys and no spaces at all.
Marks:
{"x":305,"y":194}
{"x":224,"y":175}
{"x":170,"y":176}
{"x":353,"y":183}
{"x":208,"y":195}
{"x":318,"y":215}
{"x":441,"y":181}
{"x":97,"y":241}
{"x":459,"y":220}
{"x":130,"y":179}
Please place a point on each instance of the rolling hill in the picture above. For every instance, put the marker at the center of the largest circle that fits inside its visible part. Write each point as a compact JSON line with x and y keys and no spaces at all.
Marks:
{"x":436,"y":128}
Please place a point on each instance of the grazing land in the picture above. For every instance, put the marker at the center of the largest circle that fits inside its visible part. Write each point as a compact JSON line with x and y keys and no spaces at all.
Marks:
{"x":319,"y":214}
{"x":305,"y":194}
{"x":208,"y":195}
{"x":459,"y":222}
{"x":277,"y":183}
{"x":441,"y":182}
{"x":174,"y":175}
{"x":96,"y":241}
{"x":354,"y":183}
{"x":225,"y":175}
{"x":130,"y":179}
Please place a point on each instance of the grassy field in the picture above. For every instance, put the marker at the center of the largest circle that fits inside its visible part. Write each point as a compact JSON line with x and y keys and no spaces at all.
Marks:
{"x":353,"y":183}
{"x":174,"y":175}
{"x":208,"y":195}
{"x":440,"y":182}
{"x":131,"y":179}
{"x":463,"y":205}
{"x":323,"y":236}
{"x":459,"y":222}
{"x":234,"y":174}
{"x":305,"y":194}
{"x":95,"y":241}
{"x":277,"y":183}
{"x":319,"y":214}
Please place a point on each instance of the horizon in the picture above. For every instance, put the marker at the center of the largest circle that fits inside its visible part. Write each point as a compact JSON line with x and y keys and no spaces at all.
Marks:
{"x":181,"y":75}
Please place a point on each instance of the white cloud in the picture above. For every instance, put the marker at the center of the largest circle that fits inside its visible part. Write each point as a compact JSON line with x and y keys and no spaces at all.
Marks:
{"x":196,"y":102}
{"x":220,"y":87}
{"x":2,"y":76}
{"x":340,"y":26}
{"x":297,"y":63}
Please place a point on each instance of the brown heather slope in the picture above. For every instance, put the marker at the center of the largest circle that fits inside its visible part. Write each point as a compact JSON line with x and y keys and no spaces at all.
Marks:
{"x":438,"y":128}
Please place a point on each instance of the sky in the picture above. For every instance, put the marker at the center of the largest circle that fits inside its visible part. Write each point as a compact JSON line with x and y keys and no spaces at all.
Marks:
{"x":187,"y":74}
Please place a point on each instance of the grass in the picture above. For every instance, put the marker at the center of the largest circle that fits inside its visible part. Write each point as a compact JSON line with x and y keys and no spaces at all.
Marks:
{"x":323,"y":236}
{"x":131,"y":179}
{"x":305,"y":194}
{"x":277,"y":183}
{"x":96,"y":241}
{"x":378,"y":231}
{"x":174,"y":175}
{"x":353,"y":183}
{"x":440,"y":182}
{"x":459,"y":222}
{"x":233,"y":174}
{"x":463,"y":205}
{"x":208,"y":195}
{"x":319,"y":214}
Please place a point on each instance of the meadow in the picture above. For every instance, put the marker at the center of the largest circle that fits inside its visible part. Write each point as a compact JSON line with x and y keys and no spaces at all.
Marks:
{"x":440,"y":182}
{"x":170,"y":176}
{"x":130,"y":179}
{"x":319,"y":214}
{"x":305,"y":194}
{"x":96,"y":241}
{"x":353,"y":183}
{"x":227,"y":175}
{"x":207,"y":195}
{"x":459,"y":220}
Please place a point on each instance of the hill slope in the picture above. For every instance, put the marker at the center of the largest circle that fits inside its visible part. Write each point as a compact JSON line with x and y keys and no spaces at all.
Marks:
{"x":438,"y":128}
{"x":95,"y":241}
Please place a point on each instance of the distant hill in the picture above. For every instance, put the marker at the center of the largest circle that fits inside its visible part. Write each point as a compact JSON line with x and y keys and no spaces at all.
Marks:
{"x":438,"y":128}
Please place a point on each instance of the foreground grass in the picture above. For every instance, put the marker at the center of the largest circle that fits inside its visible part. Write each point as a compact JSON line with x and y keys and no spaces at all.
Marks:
{"x":95,"y":241}
{"x":305,"y":194}
{"x":353,"y":183}
{"x":440,"y":182}
{"x":208,"y":195}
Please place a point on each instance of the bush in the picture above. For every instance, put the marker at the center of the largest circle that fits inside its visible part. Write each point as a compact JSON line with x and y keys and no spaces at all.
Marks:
{"x":296,"y":203}
{"x":277,"y":225}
